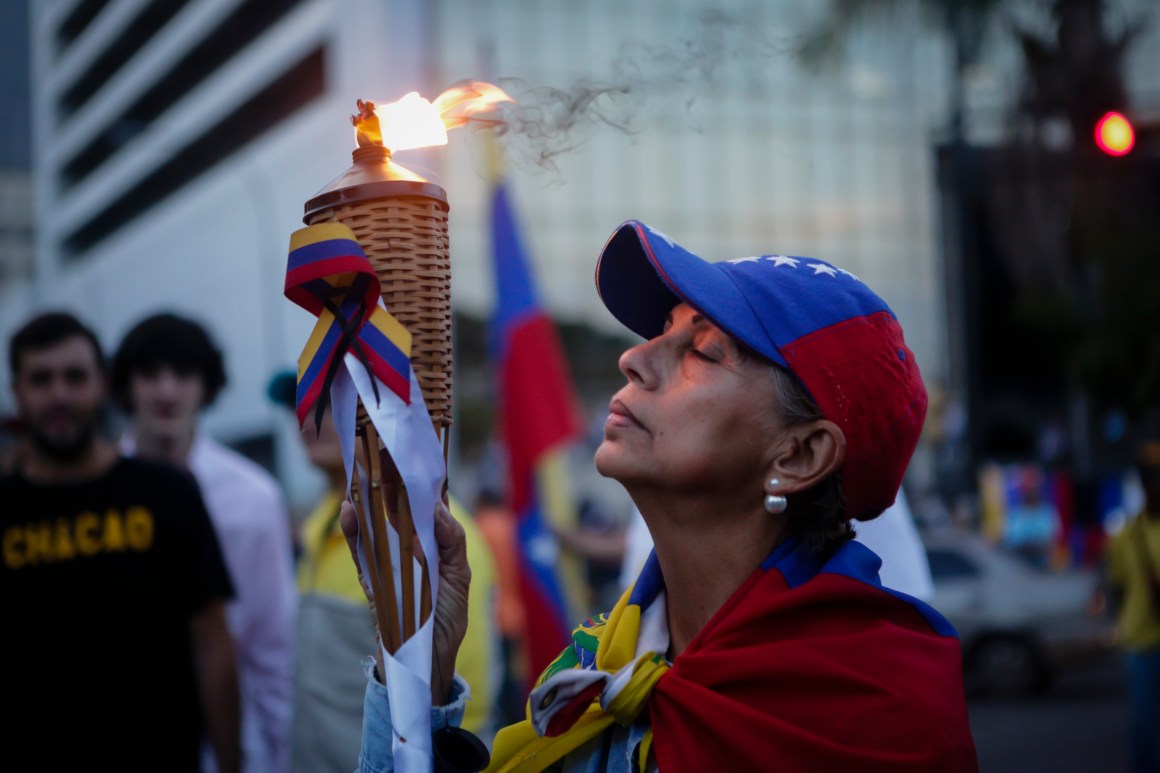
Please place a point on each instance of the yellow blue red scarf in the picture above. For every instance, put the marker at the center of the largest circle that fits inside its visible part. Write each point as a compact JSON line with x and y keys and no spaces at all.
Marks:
{"x":811,"y":664}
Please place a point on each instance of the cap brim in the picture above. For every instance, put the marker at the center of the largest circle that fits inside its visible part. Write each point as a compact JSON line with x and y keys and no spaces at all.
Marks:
{"x":642,"y":274}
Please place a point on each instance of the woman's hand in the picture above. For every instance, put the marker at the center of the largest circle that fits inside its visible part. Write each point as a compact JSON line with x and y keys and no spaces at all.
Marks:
{"x":450,"y":617}
{"x":451,"y":604}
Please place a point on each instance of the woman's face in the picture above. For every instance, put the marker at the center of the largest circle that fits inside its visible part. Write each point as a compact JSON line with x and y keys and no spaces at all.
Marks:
{"x":696,"y":415}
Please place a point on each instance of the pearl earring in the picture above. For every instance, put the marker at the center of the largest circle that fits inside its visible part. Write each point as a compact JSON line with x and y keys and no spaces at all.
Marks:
{"x":775,"y":503}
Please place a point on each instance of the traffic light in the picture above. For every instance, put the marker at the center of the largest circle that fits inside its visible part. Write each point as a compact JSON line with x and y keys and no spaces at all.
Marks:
{"x":1115,"y":134}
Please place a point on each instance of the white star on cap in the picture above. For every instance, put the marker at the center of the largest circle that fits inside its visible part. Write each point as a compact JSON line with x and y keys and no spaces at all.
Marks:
{"x":847,"y":273}
{"x":744,"y":260}
{"x":782,"y":260}
{"x":660,"y":235}
{"x":822,"y":268}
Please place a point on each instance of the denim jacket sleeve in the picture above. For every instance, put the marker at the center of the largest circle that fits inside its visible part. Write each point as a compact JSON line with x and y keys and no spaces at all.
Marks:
{"x":376,"y":755}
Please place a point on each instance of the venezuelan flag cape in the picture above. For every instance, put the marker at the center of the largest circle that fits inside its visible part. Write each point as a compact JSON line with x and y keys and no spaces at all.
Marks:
{"x":538,"y":418}
{"x":810,"y":665}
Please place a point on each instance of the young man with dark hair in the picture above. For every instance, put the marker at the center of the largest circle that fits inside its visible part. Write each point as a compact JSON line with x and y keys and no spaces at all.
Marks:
{"x":166,"y":370}
{"x":116,"y":649}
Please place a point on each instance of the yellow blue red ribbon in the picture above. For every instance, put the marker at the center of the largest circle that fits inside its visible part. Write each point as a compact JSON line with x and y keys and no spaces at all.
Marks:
{"x":329,"y":275}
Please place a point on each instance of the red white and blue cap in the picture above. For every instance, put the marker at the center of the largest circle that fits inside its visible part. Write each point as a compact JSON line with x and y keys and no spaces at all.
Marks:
{"x":819,"y":322}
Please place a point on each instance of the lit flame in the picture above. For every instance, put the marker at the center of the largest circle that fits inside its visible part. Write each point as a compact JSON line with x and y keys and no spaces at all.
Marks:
{"x":415,"y":122}
{"x":468,"y":101}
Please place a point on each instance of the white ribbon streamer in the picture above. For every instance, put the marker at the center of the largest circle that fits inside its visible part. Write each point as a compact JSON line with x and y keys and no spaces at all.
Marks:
{"x":410,"y":439}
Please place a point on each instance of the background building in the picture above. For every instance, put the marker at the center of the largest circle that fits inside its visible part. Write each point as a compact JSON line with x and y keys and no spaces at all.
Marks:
{"x":175,"y":142}
{"x":16,"y":197}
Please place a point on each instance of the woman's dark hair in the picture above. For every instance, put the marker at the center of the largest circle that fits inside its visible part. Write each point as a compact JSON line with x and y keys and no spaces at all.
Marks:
{"x":167,"y":340}
{"x":45,"y":331}
{"x":818,"y":515}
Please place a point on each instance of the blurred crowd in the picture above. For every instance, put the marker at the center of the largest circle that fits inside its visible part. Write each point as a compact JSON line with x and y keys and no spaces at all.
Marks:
{"x":95,"y":461}
{"x":294,"y":623}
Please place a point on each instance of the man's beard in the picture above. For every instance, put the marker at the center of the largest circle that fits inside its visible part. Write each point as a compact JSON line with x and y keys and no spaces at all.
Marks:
{"x":66,"y":448}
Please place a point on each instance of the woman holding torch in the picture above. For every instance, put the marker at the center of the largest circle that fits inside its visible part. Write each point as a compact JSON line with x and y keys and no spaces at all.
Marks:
{"x":772,"y":402}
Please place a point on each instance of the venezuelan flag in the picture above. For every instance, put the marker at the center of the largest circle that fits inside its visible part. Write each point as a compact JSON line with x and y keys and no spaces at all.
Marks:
{"x":538,"y":419}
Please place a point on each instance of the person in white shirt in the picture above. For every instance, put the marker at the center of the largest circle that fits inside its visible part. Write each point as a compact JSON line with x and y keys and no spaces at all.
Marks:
{"x":166,"y":370}
{"x":892,"y":535}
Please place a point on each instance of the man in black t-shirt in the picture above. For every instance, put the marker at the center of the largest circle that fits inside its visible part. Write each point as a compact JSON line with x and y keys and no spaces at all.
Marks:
{"x":115,"y":652}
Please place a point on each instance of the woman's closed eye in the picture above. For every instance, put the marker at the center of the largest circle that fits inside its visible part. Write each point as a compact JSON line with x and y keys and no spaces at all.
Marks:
{"x":706,"y":346}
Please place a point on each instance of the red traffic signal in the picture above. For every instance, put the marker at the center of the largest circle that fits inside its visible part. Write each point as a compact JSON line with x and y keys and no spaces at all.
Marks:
{"x":1115,"y":134}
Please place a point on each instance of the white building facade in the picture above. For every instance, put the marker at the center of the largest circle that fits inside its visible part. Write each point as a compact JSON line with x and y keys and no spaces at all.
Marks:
{"x":175,"y":142}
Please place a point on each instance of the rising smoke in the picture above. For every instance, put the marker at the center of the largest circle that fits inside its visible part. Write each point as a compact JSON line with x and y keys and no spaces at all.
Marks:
{"x":649,"y":83}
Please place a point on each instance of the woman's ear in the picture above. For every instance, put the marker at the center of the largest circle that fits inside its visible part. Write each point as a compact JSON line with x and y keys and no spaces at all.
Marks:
{"x":811,"y":452}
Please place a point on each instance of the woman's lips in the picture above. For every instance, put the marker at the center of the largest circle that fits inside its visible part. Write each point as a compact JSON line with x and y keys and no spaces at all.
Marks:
{"x":620,"y":416}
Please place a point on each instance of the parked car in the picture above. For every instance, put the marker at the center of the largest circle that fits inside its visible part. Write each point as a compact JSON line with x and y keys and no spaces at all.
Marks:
{"x":1020,"y":625}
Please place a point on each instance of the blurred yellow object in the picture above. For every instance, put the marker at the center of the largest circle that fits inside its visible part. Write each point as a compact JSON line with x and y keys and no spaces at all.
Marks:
{"x":479,"y":657}
{"x":1133,"y":556}
{"x":992,"y":502}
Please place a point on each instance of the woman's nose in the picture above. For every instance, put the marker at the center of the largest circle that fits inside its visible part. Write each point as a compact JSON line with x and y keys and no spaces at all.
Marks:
{"x":637,"y":366}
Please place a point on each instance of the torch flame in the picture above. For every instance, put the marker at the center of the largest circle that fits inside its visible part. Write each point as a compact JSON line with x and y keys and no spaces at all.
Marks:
{"x":415,"y":122}
{"x":411,"y":122}
{"x":467,"y":101}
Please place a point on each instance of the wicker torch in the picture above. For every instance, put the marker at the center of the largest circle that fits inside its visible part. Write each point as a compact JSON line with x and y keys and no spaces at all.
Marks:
{"x":400,"y":220}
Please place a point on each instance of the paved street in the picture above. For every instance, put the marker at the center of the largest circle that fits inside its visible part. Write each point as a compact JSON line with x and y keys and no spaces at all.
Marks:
{"x":1078,"y":725}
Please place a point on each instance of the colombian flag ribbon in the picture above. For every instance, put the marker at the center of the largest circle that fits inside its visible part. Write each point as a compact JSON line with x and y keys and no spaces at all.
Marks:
{"x":329,"y":275}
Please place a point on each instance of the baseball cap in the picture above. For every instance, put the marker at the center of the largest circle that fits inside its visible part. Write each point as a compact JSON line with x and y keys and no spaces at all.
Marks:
{"x":821,"y":323}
